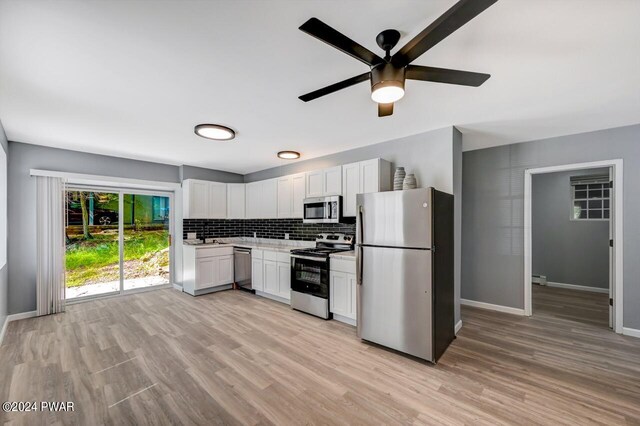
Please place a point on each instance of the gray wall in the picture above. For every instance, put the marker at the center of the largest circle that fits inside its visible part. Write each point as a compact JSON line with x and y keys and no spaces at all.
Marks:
{"x":493,"y":214}
{"x":192,"y":172}
{"x":4,"y":274}
{"x":23,"y":158}
{"x":567,"y":251}
{"x":434,"y":157}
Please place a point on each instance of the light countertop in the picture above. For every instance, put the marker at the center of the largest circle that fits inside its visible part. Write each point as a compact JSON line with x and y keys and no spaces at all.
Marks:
{"x":284,"y":246}
{"x":344,"y":255}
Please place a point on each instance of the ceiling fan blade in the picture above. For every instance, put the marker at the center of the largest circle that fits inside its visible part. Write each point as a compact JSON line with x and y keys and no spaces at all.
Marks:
{"x":335,"y":87}
{"x":318,"y":29}
{"x":454,"y":18}
{"x":443,"y":75}
{"x":385,"y":109}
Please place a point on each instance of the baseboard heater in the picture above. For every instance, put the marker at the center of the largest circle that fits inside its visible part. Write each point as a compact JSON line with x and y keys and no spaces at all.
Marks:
{"x":539,"y":279}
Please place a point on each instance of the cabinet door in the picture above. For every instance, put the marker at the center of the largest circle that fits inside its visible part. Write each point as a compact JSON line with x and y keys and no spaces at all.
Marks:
{"x":217,"y":200}
{"x":198,"y":199}
{"x":332,"y":181}
{"x":257,"y":275}
{"x":235,"y":201}
{"x":284,"y":280}
{"x":339,"y":301}
{"x":350,"y":188}
{"x":224,"y":269}
{"x":299,"y":193}
{"x":269,"y":204}
{"x":351,"y":281}
{"x":369,"y":176}
{"x":205,"y":272}
{"x":253,"y":196}
{"x":315,"y":186}
{"x":285,"y":197}
{"x":270,"y":277}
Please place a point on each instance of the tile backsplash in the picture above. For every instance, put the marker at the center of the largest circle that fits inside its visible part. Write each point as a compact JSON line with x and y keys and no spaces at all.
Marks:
{"x":265,"y":228}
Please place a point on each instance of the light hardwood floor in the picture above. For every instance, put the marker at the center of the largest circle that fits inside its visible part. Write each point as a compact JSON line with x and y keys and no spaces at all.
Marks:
{"x":164,"y":357}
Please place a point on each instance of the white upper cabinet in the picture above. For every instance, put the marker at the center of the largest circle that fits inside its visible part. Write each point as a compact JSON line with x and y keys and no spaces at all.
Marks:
{"x":291,"y":194}
{"x":262,"y":199}
{"x":350,"y":188}
{"x":235,"y":201}
{"x":253,"y":200}
{"x":361,"y":178}
{"x":285,"y":197}
{"x":269,"y":199}
{"x":324,"y":182}
{"x":315,"y":187}
{"x":298,"y":194}
{"x":204,"y":200}
{"x":217,"y":200}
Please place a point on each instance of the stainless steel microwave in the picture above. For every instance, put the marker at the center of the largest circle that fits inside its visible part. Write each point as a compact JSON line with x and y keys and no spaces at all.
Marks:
{"x":323,"y":209}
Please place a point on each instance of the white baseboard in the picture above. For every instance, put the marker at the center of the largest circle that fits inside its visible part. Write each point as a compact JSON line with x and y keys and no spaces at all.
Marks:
{"x":490,"y":306}
{"x":177,"y":287}
{"x":15,"y":317}
{"x":578,"y":287}
{"x":344,"y":319}
{"x":22,"y":315}
{"x":633,"y":332}
{"x":3,"y":329}
{"x":458,"y":327}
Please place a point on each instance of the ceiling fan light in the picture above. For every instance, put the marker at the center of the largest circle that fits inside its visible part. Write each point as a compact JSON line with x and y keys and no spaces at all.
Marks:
{"x":386,"y":92}
{"x":215,"y":132}
{"x":289,"y":155}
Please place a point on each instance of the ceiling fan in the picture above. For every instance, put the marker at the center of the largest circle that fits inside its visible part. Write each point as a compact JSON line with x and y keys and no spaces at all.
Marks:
{"x":388,"y":74}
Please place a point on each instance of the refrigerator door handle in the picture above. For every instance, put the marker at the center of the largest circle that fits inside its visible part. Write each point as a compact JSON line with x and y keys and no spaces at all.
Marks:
{"x":360,"y":251}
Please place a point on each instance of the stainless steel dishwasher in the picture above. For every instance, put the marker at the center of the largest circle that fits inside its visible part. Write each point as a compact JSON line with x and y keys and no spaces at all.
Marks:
{"x":242,"y":268}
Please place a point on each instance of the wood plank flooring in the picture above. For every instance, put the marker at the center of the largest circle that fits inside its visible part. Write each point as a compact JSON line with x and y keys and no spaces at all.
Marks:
{"x":575,"y":305}
{"x":164,"y":357}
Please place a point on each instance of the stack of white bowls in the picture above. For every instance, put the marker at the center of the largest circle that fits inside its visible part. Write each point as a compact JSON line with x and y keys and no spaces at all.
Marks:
{"x":409,"y":182}
{"x":398,"y":178}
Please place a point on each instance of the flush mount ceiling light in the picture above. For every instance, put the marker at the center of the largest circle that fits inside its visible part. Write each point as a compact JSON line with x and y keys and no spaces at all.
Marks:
{"x":215,"y":132}
{"x":289,"y":155}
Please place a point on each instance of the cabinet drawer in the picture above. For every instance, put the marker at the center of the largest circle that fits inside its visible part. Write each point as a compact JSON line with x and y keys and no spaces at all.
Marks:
{"x":213,"y":251}
{"x":270,"y":255}
{"x":256,"y":254}
{"x":341,"y":265}
{"x":284,"y":257}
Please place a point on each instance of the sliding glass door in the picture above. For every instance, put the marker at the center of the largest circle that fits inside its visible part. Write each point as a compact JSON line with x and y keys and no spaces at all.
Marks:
{"x":117,"y":241}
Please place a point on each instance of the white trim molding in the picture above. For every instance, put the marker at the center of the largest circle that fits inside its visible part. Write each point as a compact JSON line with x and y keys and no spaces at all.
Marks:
{"x":633,"y":332}
{"x":97,"y":180}
{"x":617,"y":221}
{"x":492,"y":307}
{"x":22,"y":315}
{"x":578,"y":287}
{"x":458,"y":327}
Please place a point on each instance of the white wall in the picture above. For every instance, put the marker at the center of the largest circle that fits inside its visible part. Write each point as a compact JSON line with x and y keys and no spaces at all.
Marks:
{"x":4,"y":268}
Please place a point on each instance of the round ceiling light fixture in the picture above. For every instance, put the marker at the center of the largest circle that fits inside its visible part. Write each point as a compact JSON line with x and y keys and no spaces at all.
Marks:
{"x":387,"y":84}
{"x":289,"y":155}
{"x":215,"y":132}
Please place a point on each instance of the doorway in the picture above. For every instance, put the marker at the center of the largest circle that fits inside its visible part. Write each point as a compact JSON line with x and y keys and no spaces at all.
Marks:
{"x":117,"y":241}
{"x":570,"y":246}
{"x":581,"y":207}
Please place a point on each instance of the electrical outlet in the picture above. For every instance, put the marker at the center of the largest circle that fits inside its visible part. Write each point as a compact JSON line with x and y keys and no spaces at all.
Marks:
{"x":286,"y":236}
{"x":255,"y":235}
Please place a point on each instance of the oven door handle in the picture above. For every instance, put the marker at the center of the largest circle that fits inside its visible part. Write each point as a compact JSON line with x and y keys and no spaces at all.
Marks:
{"x":317,"y":259}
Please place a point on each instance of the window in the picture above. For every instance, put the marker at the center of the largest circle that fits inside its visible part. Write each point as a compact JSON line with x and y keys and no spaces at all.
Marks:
{"x":590,"y":197}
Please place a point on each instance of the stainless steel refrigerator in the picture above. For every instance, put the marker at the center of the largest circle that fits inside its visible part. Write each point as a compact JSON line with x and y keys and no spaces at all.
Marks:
{"x":405,"y":270}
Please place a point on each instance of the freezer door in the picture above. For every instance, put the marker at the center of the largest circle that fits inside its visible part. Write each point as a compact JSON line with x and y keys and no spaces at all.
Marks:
{"x":394,"y":300}
{"x":395,"y":218}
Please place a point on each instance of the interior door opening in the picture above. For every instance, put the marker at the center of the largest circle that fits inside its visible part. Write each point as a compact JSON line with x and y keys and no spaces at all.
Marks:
{"x":571,"y":254}
{"x":117,"y":241}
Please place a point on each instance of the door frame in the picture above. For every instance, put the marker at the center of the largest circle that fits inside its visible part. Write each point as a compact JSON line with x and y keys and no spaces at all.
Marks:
{"x":172,"y":251}
{"x":616,"y":289}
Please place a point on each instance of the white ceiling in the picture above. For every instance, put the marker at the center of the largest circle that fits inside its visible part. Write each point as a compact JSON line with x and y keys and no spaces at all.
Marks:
{"x":133,"y":78}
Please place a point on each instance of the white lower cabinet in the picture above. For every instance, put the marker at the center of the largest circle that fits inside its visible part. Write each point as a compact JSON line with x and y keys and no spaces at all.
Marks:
{"x":205,"y":268}
{"x":342,"y":290}
{"x":271,"y":273}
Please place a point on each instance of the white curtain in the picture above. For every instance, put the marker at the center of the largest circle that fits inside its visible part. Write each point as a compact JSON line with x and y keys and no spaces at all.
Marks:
{"x":50,"y":244}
